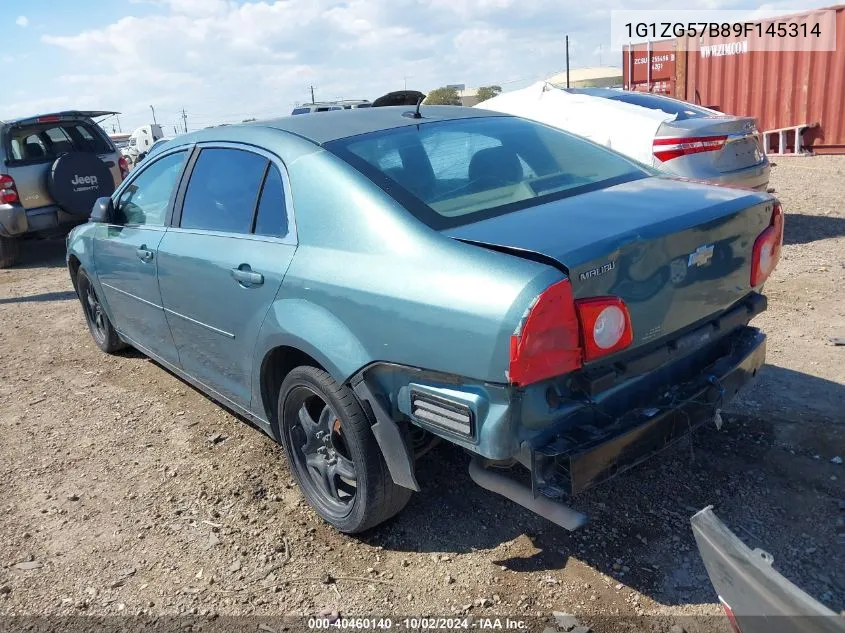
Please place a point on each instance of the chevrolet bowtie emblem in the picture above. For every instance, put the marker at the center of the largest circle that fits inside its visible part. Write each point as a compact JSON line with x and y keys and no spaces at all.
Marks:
{"x":701,"y":256}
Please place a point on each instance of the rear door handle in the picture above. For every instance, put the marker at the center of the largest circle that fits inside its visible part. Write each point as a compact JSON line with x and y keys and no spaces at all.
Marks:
{"x":245,"y":276}
{"x":144,"y":254}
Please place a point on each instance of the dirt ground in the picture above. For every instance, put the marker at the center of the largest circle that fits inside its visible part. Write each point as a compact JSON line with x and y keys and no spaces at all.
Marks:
{"x":130,"y":493}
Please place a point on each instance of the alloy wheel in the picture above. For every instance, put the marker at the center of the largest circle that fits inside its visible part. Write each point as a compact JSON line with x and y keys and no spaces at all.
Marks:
{"x":320,"y":451}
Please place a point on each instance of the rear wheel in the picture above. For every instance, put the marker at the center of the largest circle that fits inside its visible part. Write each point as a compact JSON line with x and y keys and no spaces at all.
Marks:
{"x":333,"y":453}
{"x":101,"y":329}
{"x":8,"y":252}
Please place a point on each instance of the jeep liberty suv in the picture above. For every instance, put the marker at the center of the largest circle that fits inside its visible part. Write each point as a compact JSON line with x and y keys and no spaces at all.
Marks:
{"x":52,"y":169}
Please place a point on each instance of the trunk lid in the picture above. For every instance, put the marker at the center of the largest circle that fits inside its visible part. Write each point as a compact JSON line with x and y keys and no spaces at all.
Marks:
{"x":675,"y":251}
{"x":741,"y":148}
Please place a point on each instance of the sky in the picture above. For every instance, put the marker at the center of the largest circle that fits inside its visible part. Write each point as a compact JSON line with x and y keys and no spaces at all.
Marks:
{"x":228,"y":60}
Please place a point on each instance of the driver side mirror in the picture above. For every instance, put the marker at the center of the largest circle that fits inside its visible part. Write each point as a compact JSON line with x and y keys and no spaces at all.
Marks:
{"x":103,"y":211}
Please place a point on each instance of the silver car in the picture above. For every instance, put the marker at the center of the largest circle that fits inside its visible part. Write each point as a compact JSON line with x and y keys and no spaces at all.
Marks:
{"x":327,"y":106}
{"x":53,"y":167}
{"x":700,"y":143}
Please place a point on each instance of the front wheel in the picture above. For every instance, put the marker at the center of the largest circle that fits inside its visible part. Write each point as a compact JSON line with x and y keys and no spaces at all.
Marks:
{"x":101,"y":329}
{"x":333,"y":453}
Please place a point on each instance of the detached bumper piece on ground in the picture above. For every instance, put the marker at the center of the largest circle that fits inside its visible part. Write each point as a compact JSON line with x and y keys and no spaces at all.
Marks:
{"x":755,"y":597}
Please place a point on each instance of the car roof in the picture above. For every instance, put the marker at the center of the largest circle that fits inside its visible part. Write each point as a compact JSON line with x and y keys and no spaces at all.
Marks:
{"x":338,"y":124}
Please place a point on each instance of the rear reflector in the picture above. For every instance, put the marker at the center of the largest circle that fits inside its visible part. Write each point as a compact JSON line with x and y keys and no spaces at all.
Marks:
{"x":605,"y":326}
{"x":766,"y":252}
{"x":669,"y":148}
{"x":8,"y":190}
{"x":446,"y":414}
{"x":547,"y":342}
{"x":731,"y":617}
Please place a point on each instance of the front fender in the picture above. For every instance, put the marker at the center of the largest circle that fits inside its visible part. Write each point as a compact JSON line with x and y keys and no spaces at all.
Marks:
{"x":80,"y":244}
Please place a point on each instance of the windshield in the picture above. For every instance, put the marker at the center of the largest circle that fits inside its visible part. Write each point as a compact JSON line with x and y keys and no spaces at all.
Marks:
{"x":456,"y":172}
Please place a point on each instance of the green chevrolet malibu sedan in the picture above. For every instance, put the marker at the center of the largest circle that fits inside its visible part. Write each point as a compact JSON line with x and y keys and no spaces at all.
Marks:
{"x":363,"y":283}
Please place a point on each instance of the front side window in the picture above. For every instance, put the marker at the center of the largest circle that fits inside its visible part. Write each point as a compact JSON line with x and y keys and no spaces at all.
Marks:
{"x":146,"y":198}
{"x":223,"y":191}
{"x":456,"y":172}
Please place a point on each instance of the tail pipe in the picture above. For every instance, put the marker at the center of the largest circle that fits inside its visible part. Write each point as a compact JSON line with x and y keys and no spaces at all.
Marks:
{"x":556,"y":512}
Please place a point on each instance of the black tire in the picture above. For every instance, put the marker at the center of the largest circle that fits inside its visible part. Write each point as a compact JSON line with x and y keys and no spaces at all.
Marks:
{"x":8,"y":251}
{"x":374,"y":498}
{"x":101,"y":329}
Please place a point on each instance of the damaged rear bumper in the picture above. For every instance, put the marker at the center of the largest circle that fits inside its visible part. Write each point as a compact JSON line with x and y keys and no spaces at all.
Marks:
{"x":581,"y":455}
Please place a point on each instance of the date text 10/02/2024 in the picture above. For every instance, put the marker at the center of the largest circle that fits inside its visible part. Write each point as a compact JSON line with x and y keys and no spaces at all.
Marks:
{"x":417,"y":624}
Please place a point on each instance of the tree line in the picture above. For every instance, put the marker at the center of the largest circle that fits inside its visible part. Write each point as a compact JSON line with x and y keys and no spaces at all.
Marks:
{"x":449,"y":96}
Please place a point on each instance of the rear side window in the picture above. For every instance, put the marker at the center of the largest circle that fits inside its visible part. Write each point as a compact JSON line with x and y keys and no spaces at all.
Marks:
{"x":455,"y":172}
{"x":223,"y":191}
{"x":271,"y":218}
{"x":49,"y":141}
{"x":301,"y":111}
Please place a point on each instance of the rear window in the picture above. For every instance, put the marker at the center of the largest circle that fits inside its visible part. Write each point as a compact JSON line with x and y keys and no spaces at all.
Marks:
{"x":680,"y":109}
{"x":49,"y":141}
{"x":301,"y":111}
{"x":450,"y":173}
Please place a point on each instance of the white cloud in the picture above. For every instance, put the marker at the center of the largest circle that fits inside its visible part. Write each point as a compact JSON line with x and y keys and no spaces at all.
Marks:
{"x":22,"y":21}
{"x":225,"y":61}
{"x":221,"y":58}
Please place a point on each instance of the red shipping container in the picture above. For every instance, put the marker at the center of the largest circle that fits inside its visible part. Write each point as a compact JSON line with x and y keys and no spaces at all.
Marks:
{"x":650,"y":67}
{"x":780,"y":88}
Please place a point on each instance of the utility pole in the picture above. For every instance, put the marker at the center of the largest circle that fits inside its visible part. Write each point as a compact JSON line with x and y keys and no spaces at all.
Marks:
{"x":154,"y":113}
{"x":312,"y":95}
{"x":185,"y":120}
{"x":119,"y":129}
{"x":567,"y":62}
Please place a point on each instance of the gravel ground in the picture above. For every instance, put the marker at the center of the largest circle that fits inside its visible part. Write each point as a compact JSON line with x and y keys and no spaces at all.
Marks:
{"x":126,"y":492}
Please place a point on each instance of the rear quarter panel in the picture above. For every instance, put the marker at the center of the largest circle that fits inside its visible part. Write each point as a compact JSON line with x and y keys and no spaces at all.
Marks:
{"x":370,"y":283}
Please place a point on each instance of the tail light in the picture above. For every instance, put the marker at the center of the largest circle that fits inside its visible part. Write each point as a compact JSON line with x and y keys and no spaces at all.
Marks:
{"x":767,"y":247}
{"x":605,"y":325}
{"x":124,"y":167}
{"x":559,"y":334}
{"x":669,"y":148}
{"x":547,"y":343}
{"x":8,"y":190}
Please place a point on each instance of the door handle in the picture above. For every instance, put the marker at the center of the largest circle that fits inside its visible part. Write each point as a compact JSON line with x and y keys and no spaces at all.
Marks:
{"x":144,"y":254}
{"x":245,"y":276}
